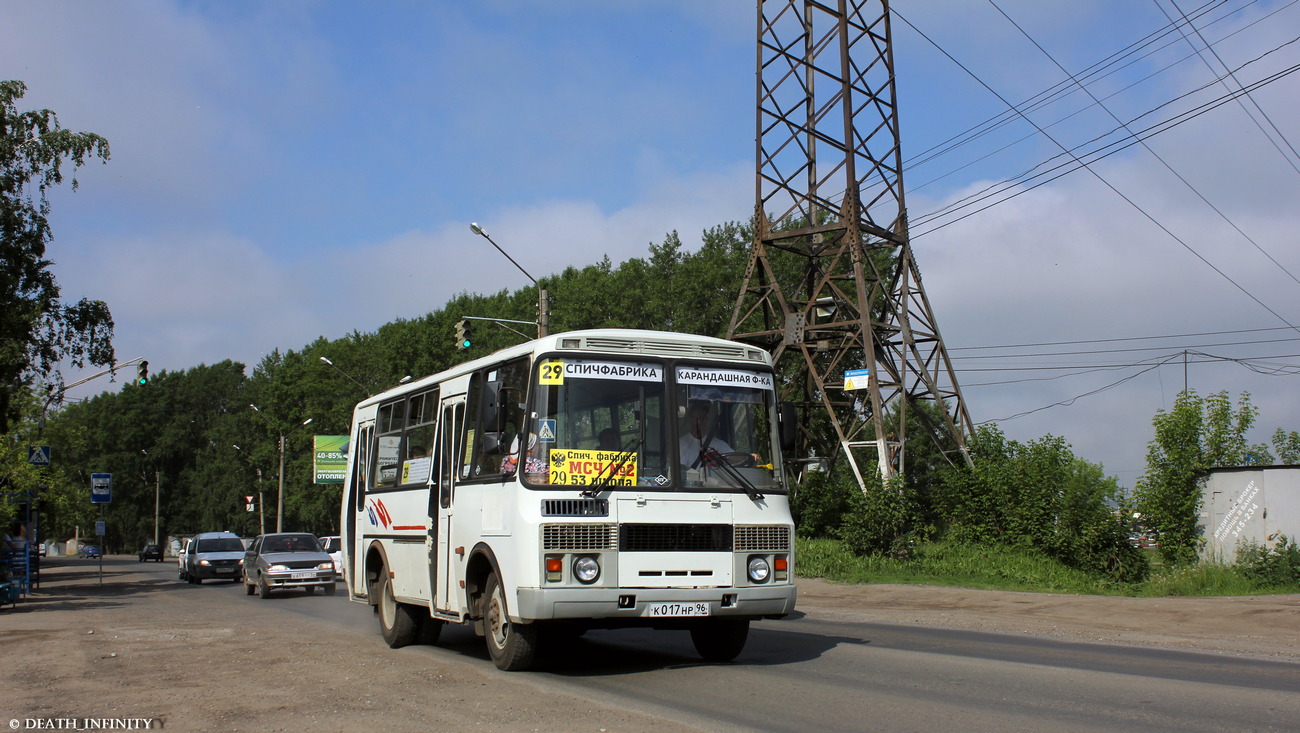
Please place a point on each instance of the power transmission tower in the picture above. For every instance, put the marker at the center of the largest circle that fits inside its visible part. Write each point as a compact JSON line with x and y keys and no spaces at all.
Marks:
{"x":831,"y":287}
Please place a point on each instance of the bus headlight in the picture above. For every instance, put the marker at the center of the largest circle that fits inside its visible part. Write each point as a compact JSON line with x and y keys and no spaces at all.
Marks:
{"x":759,"y":570}
{"x":586,"y":569}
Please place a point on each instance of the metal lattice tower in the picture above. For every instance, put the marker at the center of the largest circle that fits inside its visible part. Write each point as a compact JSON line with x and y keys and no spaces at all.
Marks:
{"x":831,"y":285}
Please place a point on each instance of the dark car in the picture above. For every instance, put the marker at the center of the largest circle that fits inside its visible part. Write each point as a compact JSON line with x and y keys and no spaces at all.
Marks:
{"x":287,"y":560}
{"x":151,"y":552}
{"x":88,"y":551}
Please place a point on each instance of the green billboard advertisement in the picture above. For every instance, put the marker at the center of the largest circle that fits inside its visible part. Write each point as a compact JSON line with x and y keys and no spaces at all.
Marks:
{"x":331,"y":459}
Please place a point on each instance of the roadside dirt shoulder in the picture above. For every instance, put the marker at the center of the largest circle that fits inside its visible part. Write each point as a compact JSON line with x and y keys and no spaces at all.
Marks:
{"x":1257,"y":626}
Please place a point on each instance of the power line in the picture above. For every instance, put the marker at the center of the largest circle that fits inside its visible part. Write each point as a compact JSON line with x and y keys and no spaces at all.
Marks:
{"x":1058,"y":92}
{"x":1252,"y":364}
{"x":1286,"y":368}
{"x":1210,"y":47}
{"x":1122,"y":351}
{"x":1123,"y":338}
{"x":1104,"y":151}
{"x":1103,"y":180}
{"x":1149,"y":149}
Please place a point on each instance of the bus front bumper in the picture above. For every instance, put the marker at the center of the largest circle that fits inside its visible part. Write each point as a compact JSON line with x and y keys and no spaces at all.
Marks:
{"x":752,"y":602}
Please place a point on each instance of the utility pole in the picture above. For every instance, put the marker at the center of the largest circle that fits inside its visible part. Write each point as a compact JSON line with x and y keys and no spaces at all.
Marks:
{"x":831,"y":288}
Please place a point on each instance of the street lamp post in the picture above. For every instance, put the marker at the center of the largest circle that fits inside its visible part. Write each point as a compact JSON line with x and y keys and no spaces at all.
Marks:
{"x":279,"y":508}
{"x":543,"y":301}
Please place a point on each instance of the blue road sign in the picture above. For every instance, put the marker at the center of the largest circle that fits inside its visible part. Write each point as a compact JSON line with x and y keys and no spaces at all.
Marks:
{"x":101,"y":488}
{"x":38,"y":455}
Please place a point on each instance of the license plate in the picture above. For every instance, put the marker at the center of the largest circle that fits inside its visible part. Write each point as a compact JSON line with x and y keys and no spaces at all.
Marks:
{"x":302,"y":576}
{"x":676,"y":609}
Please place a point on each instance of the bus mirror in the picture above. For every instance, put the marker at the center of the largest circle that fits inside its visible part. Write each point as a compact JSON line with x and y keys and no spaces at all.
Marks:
{"x":788,"y":417}
{"x":491,"y":444}
{"x":492,"y":413}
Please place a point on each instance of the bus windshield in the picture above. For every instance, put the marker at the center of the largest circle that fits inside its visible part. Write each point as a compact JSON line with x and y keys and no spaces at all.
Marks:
{"x":606,"y":424}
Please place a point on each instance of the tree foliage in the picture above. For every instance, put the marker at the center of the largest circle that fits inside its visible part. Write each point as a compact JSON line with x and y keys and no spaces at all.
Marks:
{"x":37,"y":329}
{"x":1197,"y":434}
{"x":1038,"y":495}
{"x":1287,"y":445}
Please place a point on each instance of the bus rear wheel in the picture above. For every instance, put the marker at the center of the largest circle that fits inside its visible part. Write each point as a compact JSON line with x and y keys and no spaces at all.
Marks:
{"x":398,"y":622}
{"x":511,"y":646}
{"x":720,"y":640}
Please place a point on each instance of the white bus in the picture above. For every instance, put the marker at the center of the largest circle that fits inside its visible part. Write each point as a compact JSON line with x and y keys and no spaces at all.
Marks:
{"x":592,"y":479}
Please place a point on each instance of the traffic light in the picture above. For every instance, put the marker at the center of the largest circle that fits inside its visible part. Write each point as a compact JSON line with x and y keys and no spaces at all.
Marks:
{"x":464,"y":334}
{"x":142,"y":373}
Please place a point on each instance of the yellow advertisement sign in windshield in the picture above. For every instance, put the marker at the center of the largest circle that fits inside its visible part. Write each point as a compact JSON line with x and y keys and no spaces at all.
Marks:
{"x":587,"y":467}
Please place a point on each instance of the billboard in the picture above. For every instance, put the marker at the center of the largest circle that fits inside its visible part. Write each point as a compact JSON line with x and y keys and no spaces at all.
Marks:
{"x":330,"y":461}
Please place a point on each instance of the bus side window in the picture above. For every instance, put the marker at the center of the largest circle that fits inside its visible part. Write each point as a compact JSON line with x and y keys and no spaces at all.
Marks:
{"x":388,"y":447}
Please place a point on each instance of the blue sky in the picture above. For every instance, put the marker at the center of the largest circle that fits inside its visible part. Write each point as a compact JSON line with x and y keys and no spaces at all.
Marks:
{"x":283,"y":171}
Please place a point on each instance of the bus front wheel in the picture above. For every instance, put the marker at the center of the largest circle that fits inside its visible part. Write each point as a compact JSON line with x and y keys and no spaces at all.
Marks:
{"x":397,"y":621}
{"x":720,"y":640}
{"x":512,"y":646}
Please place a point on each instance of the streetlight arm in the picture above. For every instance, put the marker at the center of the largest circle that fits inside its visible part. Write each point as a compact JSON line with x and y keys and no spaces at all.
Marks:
{"x":349,"y":376}
{"x":474,"y":227}
{"x":543,"y":298}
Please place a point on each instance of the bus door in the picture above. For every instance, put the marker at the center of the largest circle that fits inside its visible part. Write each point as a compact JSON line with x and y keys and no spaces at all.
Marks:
{"x":358,"y":480}
{"x":442,"y":567}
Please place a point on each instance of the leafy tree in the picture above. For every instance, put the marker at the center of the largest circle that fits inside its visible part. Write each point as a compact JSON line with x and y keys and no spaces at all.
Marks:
{"x":1197,"y":434}
{"x":38,"y":330}
{"x":1287,"y":446}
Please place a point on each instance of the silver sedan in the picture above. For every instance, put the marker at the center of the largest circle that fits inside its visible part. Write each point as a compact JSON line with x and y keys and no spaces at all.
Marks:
{"x":287,"y":560}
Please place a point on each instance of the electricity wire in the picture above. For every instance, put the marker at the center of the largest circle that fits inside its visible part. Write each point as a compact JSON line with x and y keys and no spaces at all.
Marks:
{"x":1148,"y":148}
{"x":1210,"y":47}
{"x":1103,"y":180}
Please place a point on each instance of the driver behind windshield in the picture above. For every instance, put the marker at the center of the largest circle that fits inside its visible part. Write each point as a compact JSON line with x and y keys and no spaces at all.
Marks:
{"x":699,"y":435}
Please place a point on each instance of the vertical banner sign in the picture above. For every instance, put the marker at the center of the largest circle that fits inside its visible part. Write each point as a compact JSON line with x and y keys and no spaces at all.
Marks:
{"x":101,"y":488}
{"x":331,"y":459}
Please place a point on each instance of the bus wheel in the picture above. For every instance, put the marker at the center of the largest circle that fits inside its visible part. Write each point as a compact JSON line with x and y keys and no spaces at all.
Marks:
{"x":397,"y":621}
{"x":512,"y":646}
{"x":430,"y":630}
{"x":720,"y":640}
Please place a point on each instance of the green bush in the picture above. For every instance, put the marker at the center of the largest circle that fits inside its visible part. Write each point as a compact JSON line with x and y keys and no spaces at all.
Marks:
{"x":882,"y":520}
{"x":820,"y":503}
{"x":1270,"y":567}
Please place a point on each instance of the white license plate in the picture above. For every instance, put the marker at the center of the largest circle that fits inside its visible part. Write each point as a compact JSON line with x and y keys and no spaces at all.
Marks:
{"x":676,"y":609}
{"x":303,"y":576}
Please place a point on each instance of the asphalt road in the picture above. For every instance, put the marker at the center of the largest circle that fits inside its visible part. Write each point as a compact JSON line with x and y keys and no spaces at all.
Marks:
{"x":816,"y":671}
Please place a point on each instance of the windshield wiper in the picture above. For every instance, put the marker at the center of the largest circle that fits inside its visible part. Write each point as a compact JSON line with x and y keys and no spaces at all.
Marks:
{"x":720,"y":461}
{"x":629,"y":452}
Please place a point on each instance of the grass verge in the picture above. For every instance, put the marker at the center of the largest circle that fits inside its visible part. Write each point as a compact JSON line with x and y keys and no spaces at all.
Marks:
{"x":1004,"y":568}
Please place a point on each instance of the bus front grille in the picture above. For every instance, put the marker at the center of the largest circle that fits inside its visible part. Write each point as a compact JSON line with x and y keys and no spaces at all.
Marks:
{"x":675,"y":538}
{"x":575,"y":537}
{"x":762,"y":538}
{"x":575,"y":508}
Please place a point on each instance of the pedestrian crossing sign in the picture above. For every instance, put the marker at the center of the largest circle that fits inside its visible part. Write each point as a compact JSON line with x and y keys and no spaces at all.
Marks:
{"x":38,"y":455}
